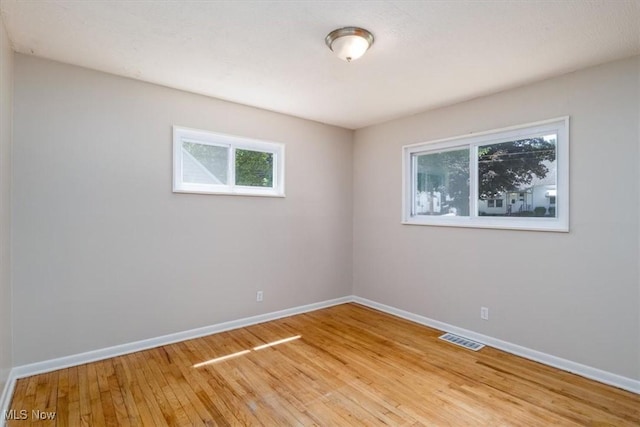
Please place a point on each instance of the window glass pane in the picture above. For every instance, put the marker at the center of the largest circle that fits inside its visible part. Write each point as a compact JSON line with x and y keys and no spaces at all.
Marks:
{"x":254,"y":168}
{"x":523,"y":172}
{"x":442,"y":186}
{"x":204,"y":164}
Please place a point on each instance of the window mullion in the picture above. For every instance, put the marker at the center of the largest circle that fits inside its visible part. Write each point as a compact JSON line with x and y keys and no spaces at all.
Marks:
{"x":232,"y":167}
{"x":473,"y":181}
{"x":274,"y":170}
{"x":414,"y":187}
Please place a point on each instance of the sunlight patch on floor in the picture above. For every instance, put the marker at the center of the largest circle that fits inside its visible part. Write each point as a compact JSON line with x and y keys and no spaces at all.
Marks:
{"x":222,"y":358}
{"x":243,"y":352}
{"x":271,"y":344}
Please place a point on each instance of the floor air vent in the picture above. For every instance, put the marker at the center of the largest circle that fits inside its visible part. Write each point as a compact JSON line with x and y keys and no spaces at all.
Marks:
{"x":462,"y":342}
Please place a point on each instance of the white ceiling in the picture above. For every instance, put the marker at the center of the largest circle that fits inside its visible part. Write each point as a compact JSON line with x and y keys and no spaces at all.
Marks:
{"x":271,"y":54}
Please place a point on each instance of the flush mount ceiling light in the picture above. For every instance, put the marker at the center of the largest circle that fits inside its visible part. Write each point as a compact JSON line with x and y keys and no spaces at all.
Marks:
{"x":349,"y":43}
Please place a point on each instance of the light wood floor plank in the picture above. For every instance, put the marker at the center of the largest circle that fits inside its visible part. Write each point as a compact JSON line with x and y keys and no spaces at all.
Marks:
{"x":62,"y":407}
{"x":165,"y":398}
{"x":122,"y":380}
{"x":151,"y":409}
{"x":97,"y":403}
{"x":73,"y":398}
{"x":346,"y":365}
{"x":122,"y":410}
{"x":83,"y":394}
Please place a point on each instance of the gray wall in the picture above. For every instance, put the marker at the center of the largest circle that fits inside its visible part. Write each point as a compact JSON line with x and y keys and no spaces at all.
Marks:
{"x":574,"y":295}
{"x":6,"y":101}
{"x":105,"y":253}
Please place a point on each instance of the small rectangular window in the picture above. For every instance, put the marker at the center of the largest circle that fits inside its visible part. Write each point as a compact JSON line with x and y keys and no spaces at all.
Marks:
{"x":206,"y":162}
{"x":515,"y":178}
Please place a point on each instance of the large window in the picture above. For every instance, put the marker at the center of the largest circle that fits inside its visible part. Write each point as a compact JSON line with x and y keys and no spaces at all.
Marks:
{"x":516,"y":178}
{"x":205,"y":162}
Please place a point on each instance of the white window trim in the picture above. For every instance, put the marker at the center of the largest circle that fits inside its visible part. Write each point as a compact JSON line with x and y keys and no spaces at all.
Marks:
{"x":182,"y":134}
{"x":560,"y":126}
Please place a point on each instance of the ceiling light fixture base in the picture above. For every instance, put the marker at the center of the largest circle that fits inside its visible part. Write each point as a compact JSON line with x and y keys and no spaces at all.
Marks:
{"x":349,"y":43}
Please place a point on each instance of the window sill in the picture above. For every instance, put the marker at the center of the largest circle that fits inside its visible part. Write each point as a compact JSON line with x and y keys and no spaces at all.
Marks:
{"x":236,"y":192}
{"x":533,"y":224}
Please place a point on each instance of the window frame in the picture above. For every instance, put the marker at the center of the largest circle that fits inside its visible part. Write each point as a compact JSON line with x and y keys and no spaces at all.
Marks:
{"x":559,"y":126}
{"x":233,"y":143}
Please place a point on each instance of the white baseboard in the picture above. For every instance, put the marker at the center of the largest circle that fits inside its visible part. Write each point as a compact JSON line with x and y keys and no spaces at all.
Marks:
{"x":105,"y":353}
{"x":547,"y":359}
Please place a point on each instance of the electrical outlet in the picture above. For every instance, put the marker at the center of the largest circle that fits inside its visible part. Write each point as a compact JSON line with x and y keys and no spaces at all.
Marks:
{"x":259,"y":296}
{"x":484,"y":313}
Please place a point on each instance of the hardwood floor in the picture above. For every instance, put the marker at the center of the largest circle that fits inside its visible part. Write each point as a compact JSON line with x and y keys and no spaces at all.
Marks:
{"x":345,"y":365}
